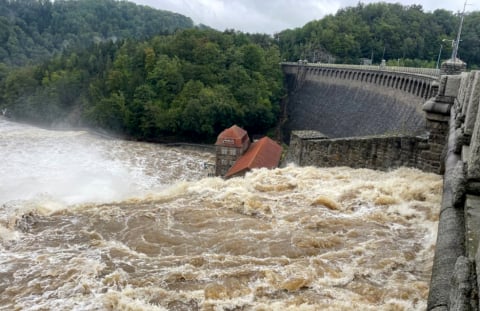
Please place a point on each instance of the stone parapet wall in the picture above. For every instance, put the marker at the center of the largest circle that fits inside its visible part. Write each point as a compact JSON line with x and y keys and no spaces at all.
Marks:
{"x":455,"y":272}
{"x":373,"y":152}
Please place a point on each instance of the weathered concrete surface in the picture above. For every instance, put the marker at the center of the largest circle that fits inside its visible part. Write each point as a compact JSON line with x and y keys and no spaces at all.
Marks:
{"x":374,"y":152}
{"x":451,"y":233}
{"x":463,"y":286}
{"x":473,"y":171}
{"x":472,"y":107}
{"x":458,"y":184}
{"x":452,"y":67}
{"x":472,"y":224}
{"x":342,"y":108}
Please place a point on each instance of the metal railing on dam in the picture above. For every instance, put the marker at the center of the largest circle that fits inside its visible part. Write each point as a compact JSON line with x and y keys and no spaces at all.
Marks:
{"x":420,"y":82}
{"x":428,"y":72}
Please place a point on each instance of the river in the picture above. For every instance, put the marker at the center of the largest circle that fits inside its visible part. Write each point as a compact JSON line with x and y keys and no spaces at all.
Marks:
{"x":92,"y":223}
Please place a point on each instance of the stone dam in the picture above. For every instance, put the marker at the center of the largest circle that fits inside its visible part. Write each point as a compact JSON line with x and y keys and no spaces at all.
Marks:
{"x":387,"y":117}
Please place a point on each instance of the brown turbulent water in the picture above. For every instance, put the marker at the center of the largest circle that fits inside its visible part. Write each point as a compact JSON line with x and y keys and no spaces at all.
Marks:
{"x":88,"y":223}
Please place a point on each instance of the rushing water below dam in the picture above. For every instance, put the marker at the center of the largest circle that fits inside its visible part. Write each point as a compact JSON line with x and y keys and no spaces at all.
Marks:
{"x":90,"y":223}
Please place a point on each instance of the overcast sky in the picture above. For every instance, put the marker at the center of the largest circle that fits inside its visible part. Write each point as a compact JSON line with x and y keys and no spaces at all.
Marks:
{"x":270,"y":16}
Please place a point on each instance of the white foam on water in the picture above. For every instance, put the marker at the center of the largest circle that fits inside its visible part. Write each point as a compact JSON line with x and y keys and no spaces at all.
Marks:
{"x":73,"y":167}
{"x":158,"y":236}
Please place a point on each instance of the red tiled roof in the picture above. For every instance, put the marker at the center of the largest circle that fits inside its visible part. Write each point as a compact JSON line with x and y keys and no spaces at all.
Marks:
{"x":232,"y":136}
{"x":262,"y":153}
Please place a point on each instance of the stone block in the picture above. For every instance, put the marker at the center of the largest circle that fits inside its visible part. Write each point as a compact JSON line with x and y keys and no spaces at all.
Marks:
{"x":457,"y":141}
{"x":465,"y":90}
{"x":472,"y":224}
{"x":474,"y":159}
{"x":442,"y":85}
{"x":465,"y":153}
{"x":473,"y":187}
{"x":450,"y":245}
{"x":445,"y":99}
{"x":434,"y":107}
{"x":458,"y":184}
{"x":432,"y":116}
{"x":452,"y":67}
{"x":463,"y":284}
{"x":472,"y":109}
{"x":459,"y":120}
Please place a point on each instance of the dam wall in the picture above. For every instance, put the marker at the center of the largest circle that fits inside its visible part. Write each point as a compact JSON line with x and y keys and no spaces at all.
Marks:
{"x":372,"y":119}
{"x":349,"y":102}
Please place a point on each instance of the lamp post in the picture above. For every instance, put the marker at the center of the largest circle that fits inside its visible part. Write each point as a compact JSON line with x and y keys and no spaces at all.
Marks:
{"x":439,"y":53}
{"x":456,"y":42}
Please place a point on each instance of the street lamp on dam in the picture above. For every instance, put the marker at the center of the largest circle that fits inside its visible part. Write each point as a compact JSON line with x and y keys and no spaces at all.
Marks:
{"x":454,"y":65}
{"x":456,"y":42}
{"x":441,"y":47}
{"x":439,"y":54}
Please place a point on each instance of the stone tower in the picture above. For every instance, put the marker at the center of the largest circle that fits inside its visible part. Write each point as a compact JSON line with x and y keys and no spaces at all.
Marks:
{"x":231,"y":144}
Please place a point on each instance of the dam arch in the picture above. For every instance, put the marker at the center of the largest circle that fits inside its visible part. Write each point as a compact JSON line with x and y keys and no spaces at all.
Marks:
{"x":350,"y":100}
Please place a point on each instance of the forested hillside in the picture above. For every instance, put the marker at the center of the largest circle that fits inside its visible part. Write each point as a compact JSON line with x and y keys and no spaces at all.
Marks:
{"x":403,"y":35}
{"x":33,"y":30}
{"x":190,"y":85}
{"x":141,"y":72}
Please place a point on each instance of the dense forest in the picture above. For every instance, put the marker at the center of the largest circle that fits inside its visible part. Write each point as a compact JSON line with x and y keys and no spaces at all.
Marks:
{"x":152,"y":75}
{"x":190,"y":85}
{"x":403,"y":35}
{"x":33,"y":30}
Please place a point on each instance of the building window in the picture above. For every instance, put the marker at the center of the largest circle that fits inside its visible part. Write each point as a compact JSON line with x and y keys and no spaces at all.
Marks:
{"x":224,"y":162}
{"x":224,"y":150}
{"x":233,"y":152}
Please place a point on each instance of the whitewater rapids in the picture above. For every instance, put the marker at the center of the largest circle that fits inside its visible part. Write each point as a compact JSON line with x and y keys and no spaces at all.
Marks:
{"x":89,"y":223}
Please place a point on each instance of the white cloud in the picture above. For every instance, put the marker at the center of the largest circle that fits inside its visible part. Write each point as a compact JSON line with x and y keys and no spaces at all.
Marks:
{"x":275,"y":15}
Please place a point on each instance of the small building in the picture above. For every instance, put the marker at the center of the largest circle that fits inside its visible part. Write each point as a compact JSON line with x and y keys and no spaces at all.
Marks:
{"x":235,"y":155}
{"x":231,"y":144}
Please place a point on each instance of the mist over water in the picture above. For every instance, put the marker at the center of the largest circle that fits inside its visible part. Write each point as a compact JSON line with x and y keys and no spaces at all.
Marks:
{"x":88,"y":223}
{"x":74,"y":167}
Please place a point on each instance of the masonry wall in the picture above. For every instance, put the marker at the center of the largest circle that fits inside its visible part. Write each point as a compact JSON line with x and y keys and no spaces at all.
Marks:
{"x":374,"y":152}
{"x":456,"y":266}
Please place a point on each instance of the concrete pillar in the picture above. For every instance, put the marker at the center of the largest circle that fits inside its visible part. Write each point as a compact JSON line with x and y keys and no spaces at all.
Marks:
{"x":452,"y":67}
{"x":437,"y":116}
{"x":473,"y":169}
{"x":464,"y":92}
{"x":472,"y":107}
{"x":297,"y":145}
